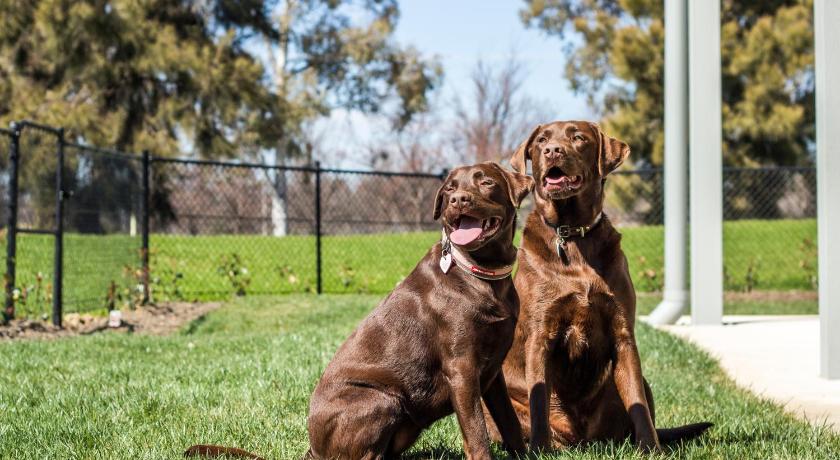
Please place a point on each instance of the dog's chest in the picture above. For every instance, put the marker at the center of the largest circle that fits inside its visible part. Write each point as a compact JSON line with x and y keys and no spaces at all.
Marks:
{"x":578,"y":311}
{"x":494,"y":327}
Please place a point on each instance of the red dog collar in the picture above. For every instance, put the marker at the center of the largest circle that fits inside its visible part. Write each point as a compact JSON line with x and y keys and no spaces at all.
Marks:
{"x":451,"y":254}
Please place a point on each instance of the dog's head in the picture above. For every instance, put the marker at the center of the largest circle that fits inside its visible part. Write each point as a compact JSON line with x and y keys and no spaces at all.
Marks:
{"x":478,"y":203}
{"x":568,"y":157}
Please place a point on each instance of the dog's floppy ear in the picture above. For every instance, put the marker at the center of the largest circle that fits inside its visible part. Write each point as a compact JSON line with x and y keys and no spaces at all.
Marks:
{"x":520,"y":156}
{"x":439,"y":197}
{"x":518,"y":185}
{"x":612,"y":152}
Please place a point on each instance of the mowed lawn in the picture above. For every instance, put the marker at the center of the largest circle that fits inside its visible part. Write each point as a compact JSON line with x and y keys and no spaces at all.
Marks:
{"x":754,"y":253}
{"x":759,"y":255}
{"x":242,"y":376}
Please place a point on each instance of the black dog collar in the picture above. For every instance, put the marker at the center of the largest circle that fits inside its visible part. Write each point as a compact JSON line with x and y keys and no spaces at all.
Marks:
{"x":564,"y":232}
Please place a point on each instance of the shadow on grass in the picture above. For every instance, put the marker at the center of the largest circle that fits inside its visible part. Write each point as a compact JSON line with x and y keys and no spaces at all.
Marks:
{"x":598,"y":448}
{"x":433,"y":454}
{"x":192,"y":328}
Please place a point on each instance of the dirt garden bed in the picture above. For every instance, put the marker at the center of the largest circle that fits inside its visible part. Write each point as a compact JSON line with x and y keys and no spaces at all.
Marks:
{"x":153,"y":320}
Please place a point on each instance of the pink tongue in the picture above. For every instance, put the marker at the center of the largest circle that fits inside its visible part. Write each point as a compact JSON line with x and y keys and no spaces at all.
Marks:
{"x":469,"y":229}
{"x":556,"y":180}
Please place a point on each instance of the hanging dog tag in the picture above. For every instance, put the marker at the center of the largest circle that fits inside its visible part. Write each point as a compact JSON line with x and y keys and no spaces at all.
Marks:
{"x":558,"y":246}
{"x":446,"y":262}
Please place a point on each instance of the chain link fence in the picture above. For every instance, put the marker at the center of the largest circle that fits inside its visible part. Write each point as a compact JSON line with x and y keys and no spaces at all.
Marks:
{"x":220,"y":228}
{"x":132,"y":227}
{"x":770,"y":229}
{"x":101,"y":229}
{"x":359,"y":213}
{"x":634,"y":203}
{"x":769,"y":236}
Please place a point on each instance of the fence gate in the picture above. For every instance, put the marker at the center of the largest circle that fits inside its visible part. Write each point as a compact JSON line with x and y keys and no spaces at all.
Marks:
{"x":75,"y":201}
{"x":35,"y":207}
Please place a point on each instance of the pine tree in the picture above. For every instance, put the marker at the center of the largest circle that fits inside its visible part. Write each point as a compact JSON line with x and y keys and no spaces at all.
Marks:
{"x":767,"y":66}
{"x":179,"y":76}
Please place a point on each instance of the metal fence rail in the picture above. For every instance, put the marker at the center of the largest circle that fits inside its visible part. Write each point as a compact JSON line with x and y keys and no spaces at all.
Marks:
{"x":87,"y":228}
{"x":232,"y":214}
{"x":770,"y":228}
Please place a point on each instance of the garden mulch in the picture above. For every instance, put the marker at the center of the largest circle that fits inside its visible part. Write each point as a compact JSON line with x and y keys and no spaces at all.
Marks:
{"x":152,"y":320}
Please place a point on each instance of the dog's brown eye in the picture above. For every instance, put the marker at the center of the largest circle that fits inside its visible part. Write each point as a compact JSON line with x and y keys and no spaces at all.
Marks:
{"x":579,"y":138}
{"x":541,"y":140}
{"x":487,"y":182}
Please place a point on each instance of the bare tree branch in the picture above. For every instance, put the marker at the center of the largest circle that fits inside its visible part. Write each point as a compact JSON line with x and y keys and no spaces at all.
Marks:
{"x":501,"y":114}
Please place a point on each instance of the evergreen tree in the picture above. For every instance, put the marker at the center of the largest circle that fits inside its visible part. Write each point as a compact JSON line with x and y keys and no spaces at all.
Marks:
{"x":616,"y":58}
{"x":184,"y":76}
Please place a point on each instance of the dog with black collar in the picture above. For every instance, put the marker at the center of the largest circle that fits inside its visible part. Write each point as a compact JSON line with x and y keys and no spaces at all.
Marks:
{"x":573,"y":372}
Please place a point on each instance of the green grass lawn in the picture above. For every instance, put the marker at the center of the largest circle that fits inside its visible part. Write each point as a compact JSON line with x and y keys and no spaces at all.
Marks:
{"x":242,"y":376}
{"x":761,"y":255}
{"x":646,"y":302}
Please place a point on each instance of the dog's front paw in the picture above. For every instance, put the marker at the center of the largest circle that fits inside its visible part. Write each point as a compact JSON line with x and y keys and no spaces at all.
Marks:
{"x":650,"y":446}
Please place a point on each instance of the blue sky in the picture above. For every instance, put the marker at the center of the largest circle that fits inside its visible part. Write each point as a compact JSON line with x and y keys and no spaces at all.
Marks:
{"x":459,"y":33}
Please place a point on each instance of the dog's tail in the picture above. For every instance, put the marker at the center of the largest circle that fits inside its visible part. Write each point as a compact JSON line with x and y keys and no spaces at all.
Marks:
{"x":210,"y":451}
{"x":682,"y":433}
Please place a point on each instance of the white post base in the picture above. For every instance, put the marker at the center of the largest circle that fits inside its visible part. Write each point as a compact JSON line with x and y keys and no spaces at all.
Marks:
{"x":672,"y":307}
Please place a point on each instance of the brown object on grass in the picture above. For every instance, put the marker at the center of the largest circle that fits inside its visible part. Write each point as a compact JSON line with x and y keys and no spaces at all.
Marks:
{"x":436,"y":344}
{"x":573,"y":371}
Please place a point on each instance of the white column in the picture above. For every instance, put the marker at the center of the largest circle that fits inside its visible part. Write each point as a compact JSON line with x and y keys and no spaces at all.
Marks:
{"x":705,"y":163}
{"x":827,"y":70}
{"x":675,"y":296}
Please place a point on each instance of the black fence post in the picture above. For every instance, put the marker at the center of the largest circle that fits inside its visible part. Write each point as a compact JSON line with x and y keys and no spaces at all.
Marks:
{"x":318,"y":227}
{"x":11,"y":226}
{"x":58,"y":275}
{"x":144,"y":226}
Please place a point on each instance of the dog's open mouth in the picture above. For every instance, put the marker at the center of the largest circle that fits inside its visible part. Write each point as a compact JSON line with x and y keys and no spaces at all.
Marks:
{"x":556,"y":179}
{"x":466,"y":229}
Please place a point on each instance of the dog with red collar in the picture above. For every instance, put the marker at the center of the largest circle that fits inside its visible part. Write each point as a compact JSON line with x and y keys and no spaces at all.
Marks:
{"x":435,"y":345}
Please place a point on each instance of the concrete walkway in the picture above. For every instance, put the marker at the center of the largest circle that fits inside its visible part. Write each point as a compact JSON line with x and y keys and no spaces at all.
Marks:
{"x":773,"y":356}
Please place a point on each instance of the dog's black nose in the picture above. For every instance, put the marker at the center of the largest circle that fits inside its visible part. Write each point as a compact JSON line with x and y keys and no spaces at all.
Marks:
{"x":553,"y":150}
{"x":460,"y":198}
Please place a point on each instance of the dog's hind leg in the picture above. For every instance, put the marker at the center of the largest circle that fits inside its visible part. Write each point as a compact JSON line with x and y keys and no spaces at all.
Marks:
{"x":403,"y":438}
{"x":356,"y":422}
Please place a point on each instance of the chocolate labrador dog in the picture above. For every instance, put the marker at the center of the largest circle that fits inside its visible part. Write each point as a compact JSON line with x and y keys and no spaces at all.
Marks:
{"x":436,"y":344}
{"x":573,"y":371}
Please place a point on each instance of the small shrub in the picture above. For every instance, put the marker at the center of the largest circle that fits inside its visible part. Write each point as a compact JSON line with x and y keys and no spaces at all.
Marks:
{"x":287,"y":274}
{"x":232,"y":268}
{"x":751,"y":278}
{"x":808,"y":261}
{"x":347,"y":275}
{"x":165,"y":284}
{"x":34,"y":298}
{"x":127,"y":295}
{"x":649,"y":278}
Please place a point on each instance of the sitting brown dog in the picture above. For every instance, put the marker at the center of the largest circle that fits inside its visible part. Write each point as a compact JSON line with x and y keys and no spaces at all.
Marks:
{"x":436,"y":344}
{"x":573,"y":371}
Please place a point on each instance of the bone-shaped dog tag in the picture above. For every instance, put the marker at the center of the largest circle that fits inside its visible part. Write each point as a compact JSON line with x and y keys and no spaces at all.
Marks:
{"x":446,"y":262}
